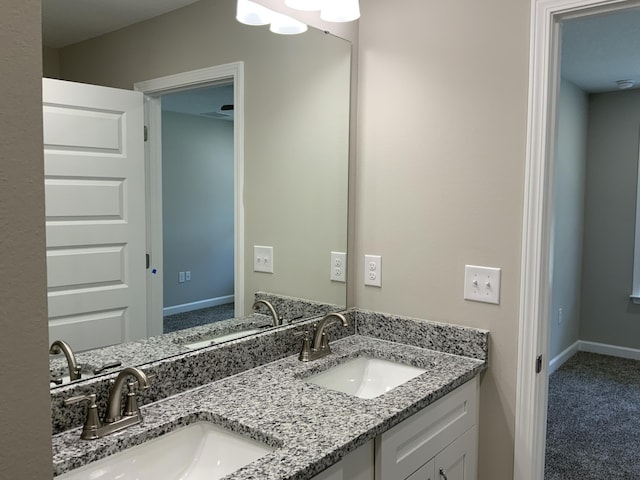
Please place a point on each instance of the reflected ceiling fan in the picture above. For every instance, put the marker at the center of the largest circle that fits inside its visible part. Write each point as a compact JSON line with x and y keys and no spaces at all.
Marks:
{"x":225,"y":112}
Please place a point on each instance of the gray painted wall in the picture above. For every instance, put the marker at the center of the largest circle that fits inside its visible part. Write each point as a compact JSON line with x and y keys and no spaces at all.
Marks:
{"x":25,"y":415}
{"x":197,"y":207}
{"x":442,"y":126}
{"x":608,"y":316}
{"x":568,"y":216}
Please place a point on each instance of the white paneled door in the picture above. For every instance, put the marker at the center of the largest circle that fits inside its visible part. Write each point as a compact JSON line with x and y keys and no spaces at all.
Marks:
{"x":95,"y":213}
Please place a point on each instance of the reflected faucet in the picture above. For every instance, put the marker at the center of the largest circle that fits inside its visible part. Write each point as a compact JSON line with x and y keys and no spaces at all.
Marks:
{"x":277,"y":320}
{"x":60,"y":346}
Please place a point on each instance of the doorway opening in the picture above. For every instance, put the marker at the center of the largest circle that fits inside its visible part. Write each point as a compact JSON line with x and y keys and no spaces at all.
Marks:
{"x":172,"y":215}
{"x":535,"y":311}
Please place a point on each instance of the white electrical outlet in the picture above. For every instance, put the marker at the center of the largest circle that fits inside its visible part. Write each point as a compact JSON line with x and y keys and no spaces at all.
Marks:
{"x":262,"y":259}
{"x":338,"y":272}
{"x":482,"y":284}
{"x":373,"y":270}
{"x":187,"y":276}
{"x":560,"y":319}
{"x":180,"y":277}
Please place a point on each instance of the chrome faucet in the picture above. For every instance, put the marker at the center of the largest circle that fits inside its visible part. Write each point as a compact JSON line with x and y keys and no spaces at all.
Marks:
{"x":277,"y":320}
{"x":319,"y":346}
{"x":116,"y":417}
{"x":60,"y":346}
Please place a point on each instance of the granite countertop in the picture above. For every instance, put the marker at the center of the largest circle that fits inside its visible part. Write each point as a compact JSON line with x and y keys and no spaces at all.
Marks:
{"x":311,"y":427}
{"x":293,"y":310}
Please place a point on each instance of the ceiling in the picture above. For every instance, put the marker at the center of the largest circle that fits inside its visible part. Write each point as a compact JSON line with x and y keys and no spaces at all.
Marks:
{"x":596,"y":50}
{"x":206,"y":102}
{"x":600,"y":49}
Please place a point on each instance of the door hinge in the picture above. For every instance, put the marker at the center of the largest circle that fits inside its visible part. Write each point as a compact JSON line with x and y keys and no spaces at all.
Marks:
{"x":539,"y":364}
{"x":146,"y":133}
{"x":148,"y":260}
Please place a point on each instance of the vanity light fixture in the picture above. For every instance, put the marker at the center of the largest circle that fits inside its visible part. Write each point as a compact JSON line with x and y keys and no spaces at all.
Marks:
{"x":285,"y":25}
{"x":304,"y":5}
{"x":340,"y":10}
{"x":330,"y":10}
{"x":254,"y":14}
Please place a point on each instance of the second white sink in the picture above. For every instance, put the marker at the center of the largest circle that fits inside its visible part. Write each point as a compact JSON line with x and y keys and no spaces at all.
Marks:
{"x":198,"y":451}
{"x":366,"y":377}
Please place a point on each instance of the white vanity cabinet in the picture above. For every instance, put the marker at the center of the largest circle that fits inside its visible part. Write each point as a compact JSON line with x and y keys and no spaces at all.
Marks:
{"x":358,"y":465}
{"x":439,"y":442}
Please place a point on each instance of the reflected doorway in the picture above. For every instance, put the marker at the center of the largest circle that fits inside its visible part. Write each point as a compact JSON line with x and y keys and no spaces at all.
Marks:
{"x":198,"y":206}
{"x":158,"y":91}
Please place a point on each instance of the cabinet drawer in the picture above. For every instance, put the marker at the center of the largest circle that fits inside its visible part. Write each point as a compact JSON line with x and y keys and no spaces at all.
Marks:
{"x":406,"y":447}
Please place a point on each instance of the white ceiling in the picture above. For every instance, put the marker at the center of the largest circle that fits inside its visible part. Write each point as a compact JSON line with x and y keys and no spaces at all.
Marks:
{"x":600,"y":49}
{"x":206,"y":101}
{"x":596,"y":50}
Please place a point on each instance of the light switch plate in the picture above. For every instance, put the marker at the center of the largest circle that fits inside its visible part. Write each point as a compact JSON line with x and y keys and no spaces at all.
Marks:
{"x":338,"y":271}
{"x":262,"y":259}
{"x":482,"y":284}
{"x":373,"y":270}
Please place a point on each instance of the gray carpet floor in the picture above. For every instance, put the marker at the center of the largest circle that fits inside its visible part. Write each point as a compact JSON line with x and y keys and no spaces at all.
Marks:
{"x":195,"y":318}
{"x":593,"y":424}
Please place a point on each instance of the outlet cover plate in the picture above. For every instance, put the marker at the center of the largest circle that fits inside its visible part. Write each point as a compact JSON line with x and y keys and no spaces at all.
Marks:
{"x":373,"y":270}
{"x":482,"y":284}
{"x":262,"y":259}
{"x":338,"y":271}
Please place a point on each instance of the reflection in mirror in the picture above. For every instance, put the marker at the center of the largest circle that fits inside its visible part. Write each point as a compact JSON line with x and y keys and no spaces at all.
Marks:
{"x":296,"y":131}
{"x":109,"y":359}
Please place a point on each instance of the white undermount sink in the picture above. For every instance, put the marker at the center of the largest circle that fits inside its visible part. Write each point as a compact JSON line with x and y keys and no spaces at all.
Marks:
{"x":198,"y":451}
{"x":366,"y":377}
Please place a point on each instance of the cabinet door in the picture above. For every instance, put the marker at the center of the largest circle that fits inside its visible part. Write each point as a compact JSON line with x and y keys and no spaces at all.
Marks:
{"x":358,"y":465}
{"x":404,"y":448}
{"x":426,"y":472}
{"x":459,"y":460}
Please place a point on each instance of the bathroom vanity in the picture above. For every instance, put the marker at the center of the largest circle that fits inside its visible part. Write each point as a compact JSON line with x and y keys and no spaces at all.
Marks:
{"x":425,"y":428}
{"x":437,"y":443}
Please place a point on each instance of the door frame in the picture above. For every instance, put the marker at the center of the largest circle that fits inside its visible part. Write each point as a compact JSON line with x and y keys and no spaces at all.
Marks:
{"x":534,"y":317}
{"x":153,"y":89}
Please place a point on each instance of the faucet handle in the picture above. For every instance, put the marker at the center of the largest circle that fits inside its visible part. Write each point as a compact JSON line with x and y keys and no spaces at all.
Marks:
{"x":306,"y":345}
{"x":131,"y":405}
{"x":92,"y":423}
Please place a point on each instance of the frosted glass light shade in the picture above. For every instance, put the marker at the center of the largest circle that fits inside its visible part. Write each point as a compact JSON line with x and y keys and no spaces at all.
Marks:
{"x":340,"y":10}
{"x":304,"y":5}
{"x":252,"y":13}
{"x":285,"y":25}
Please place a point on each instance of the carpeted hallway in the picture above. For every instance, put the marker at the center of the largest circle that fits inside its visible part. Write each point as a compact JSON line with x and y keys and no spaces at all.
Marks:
{"x":195,"y":318}
{"x":593,"y":424}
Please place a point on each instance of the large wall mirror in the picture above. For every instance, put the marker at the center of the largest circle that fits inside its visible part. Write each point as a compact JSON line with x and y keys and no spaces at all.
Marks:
{"x":295,"y":149}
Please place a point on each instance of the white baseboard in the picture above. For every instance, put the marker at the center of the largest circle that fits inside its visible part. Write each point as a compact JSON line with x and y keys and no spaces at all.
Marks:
{"x":593,"y":347}
{"x":604,"y":349}
{"x":188,"y":307}
{"x":557,"y":361}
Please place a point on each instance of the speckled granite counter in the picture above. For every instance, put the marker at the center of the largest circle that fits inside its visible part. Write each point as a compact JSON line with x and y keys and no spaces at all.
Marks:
{"x":152,"y":349}
{"x":310,"y":426}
